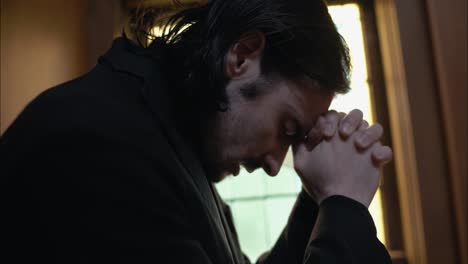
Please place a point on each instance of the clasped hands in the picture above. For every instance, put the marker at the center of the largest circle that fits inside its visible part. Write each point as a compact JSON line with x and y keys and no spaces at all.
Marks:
{"x":341,"y":155}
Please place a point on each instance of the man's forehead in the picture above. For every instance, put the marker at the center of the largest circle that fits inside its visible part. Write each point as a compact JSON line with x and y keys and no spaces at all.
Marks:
{"x":309,"y":104}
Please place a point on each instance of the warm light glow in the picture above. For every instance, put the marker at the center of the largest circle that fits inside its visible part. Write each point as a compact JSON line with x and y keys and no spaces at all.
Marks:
{"x":348,"y":22}
{"x":157,"y":31}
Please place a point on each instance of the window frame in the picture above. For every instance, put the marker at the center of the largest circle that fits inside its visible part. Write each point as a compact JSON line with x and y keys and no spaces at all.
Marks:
{"x":377,"y":87}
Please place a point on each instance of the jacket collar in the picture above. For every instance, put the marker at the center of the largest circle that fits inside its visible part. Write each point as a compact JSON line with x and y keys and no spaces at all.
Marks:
{"x":145,"y":63}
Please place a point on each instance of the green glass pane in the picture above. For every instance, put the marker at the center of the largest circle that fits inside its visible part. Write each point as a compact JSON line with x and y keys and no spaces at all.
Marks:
{"x":277,"y":213}
{"x":244,"y":185}
{"x":286,"y":181}
{"x":225,"y":189}
{"x":251,"y":224}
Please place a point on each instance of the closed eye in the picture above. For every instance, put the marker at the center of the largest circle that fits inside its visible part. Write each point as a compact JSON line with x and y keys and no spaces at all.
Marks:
{"x":293,"y":131}
{"x":290,"y":128}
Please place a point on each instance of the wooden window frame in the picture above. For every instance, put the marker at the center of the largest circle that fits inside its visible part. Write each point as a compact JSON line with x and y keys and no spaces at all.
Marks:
{"x":377,"y":86}
{"x":417,"y":131}
{"x":406,"y":67}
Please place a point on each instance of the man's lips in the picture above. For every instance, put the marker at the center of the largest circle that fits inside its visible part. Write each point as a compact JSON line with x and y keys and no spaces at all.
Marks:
{"x":251,"y":165}
{"x":249,"y":169}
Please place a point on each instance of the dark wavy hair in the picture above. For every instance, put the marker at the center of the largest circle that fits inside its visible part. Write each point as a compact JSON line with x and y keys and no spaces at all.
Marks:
{"x":301,"y":40}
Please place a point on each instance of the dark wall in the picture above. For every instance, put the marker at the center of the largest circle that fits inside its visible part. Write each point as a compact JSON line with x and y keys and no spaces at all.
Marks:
{"x":44,"y":43}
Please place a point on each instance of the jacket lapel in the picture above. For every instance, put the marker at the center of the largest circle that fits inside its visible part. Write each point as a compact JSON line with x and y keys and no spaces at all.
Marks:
{"x":123,"y":56}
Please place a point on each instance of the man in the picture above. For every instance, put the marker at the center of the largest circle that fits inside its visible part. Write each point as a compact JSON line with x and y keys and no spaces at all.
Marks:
{"x":118,"y":165}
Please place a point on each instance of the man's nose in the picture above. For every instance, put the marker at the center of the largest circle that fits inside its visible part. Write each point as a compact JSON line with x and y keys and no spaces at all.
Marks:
{"x":273,"y":162}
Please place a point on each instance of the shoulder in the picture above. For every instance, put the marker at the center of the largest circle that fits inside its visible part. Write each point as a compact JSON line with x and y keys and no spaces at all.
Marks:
{"x":99,"y":100}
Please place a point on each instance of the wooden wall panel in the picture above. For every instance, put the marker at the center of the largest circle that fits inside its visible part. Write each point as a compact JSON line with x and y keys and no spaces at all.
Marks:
{"x":418,"y":131}
{"x":448,"y":28}
{"x":47,"y":42}
{"x":41,"y":46}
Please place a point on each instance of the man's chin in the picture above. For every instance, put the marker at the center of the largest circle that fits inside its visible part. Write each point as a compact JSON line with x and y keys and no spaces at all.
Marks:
{"x":218,"y":177}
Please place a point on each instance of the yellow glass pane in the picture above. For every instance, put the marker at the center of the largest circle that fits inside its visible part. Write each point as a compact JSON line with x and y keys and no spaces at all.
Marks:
{"x":348,"y":21}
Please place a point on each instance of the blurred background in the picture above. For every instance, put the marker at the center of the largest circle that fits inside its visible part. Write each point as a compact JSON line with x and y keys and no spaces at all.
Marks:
{"x":410,"y":75}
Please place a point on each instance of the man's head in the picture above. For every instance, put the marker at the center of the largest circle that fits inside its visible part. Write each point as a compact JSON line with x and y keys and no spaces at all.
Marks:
{"x":266,"y":113}
{"x":262,"y":70}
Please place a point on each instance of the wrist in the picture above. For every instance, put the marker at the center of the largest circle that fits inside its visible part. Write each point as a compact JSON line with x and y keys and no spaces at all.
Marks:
{"x":364,"y":201}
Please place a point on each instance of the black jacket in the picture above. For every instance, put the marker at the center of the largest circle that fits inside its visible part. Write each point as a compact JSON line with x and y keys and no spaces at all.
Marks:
{"x":96,"y":171}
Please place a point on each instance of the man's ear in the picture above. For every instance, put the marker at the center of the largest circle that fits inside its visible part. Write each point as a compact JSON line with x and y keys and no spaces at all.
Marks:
{"x":245,"y":54}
